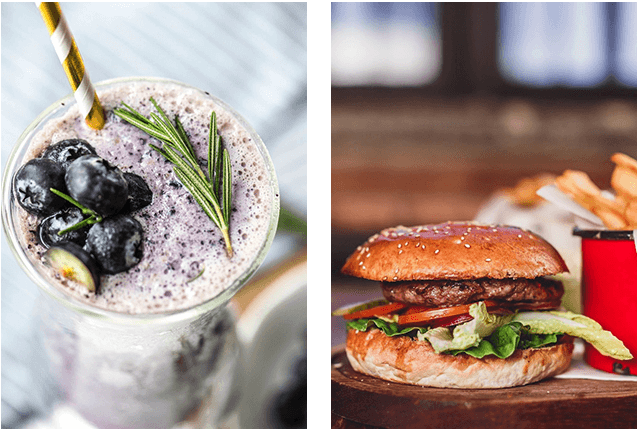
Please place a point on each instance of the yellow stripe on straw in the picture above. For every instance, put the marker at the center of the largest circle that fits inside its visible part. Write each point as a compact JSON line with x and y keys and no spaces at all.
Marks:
{"x":71,"y":60}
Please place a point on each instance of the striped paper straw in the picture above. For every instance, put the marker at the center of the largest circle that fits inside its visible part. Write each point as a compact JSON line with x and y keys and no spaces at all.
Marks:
{"x":71,"y":60}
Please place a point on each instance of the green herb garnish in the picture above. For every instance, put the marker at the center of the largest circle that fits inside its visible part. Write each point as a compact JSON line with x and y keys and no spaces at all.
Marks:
{"x":196,"y":276}
{"x":212,"y":192}
{"x":93,"y":217}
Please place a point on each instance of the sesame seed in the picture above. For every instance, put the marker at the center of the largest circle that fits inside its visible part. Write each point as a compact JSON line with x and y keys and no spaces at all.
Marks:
{"x":495,"y":229}
{"x":519,"y":235}
{"x":406,"y":243}
{"x":487,"y":260}
{"x":364,"y":267}
{"x":395,"y":277}
{"x":437,"y":251}
{"x":396,"y":271}
{"x":462,"y":238}
{"x":400,"y":246}
{"x":458,"y":241}
{"x":418,"y":245}
{"x":400,"y":252}
{"x":384,"y":278}
{"x":360,"y":264}
{"x":368,"y":254}
{"x":466,"y":245}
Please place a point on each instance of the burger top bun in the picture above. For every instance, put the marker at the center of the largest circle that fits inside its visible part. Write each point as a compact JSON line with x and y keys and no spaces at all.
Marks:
{"x":453,"y":250}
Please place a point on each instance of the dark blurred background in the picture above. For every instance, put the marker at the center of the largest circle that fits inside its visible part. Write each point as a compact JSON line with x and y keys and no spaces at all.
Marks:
{"x":436,"y":107}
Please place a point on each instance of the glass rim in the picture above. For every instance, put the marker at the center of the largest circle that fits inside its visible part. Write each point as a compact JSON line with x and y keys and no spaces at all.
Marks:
{"x":8,"y":205}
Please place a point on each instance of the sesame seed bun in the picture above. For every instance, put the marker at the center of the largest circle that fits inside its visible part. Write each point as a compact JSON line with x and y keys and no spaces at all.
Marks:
{"x":401,"y":359}
{"x":454,"y":250}
{"x":438,"y":265}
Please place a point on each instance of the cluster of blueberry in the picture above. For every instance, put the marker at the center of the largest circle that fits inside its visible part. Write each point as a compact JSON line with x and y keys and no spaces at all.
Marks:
{"x":90,"y":206}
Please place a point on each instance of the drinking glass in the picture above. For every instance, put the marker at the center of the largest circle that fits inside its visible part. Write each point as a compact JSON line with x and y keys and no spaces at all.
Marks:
{"x":134,"y":370}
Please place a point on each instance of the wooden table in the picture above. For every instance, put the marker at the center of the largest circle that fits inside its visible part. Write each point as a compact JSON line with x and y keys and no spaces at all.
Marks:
{"x":361,"y":401}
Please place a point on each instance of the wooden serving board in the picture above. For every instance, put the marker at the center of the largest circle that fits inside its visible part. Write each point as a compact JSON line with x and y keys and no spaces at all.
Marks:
{"x":361,"y":401}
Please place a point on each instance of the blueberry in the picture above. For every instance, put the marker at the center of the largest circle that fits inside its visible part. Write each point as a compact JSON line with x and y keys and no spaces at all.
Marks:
{"x":32,"y":184}
{"x":116,"y":243}
{"x":74,"y":263}
{"x":97,"y":184}
{"x":139,"y":195}
{"x":66,"y":151}
{"x":50,"y":226}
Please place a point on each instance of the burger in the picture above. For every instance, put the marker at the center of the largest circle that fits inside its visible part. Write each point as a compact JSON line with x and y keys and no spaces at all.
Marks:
{"x":465,"y":305}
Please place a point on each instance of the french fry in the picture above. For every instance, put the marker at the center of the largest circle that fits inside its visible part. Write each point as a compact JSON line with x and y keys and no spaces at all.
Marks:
{"x":525,"y":191}
{"x":624,"y":181}
{"x":566,"y":186}
{"x":578,"y":185}
{"x":582,"y":182}
{"x":631,"y":213}
{"x":624,"y":160}
{"x":622,"y":200}
{"x":611,"y":219}
{"x":617,"y":213}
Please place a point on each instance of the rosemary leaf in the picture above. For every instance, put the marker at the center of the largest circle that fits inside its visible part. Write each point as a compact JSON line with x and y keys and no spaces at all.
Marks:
{"x":184,"y":138}
{"x":142,"y":125}
{"x":213,"y":214}
{"x":198,"y":195}
{"x":178,"y":150}
{"x":218,"y":164}
{"x":212,"y":134}
{"x":227,"y":186}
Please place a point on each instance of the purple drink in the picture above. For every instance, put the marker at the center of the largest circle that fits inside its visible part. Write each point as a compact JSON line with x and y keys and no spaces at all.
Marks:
{"x":180,"y":240}
{"x":145,"y":350}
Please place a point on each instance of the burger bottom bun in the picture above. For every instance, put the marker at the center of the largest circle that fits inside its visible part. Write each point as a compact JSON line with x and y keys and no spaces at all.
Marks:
{"x":401,"y":359}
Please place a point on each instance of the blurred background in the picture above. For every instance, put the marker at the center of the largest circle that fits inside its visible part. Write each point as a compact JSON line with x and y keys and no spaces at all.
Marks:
{"x":460,"y":111}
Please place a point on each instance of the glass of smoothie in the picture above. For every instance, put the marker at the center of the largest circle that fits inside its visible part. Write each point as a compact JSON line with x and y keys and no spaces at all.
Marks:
{"x":154,"y":346}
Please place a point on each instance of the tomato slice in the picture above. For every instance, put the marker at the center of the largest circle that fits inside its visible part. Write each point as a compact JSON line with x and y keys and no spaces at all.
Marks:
{"x":376,"y":311}
{"x":418,"y":316}
{"x":443,"y":317}
{"x":449,"y":321}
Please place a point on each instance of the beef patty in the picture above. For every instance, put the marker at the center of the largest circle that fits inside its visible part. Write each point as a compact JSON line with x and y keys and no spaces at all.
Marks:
{"x":441,"y":293}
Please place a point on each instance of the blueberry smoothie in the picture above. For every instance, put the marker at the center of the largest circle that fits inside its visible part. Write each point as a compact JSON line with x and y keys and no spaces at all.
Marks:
{"x":184,"y":262}
{"x":153,"y":344}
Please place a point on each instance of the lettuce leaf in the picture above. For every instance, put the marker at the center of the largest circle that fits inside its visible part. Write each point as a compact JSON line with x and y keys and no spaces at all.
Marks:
{"x":485,"y":334}
{"x":489,"y":334}
{"x":506,"y":339}
{"x":544,"y":322}
{"x":361,"y":306}
{"x":388,"y":327}
{"x":466,"y":335}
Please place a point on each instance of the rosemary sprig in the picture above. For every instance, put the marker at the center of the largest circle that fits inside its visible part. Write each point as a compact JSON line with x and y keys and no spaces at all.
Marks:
{"x":213,"y":192}
{"x":93,"y":217}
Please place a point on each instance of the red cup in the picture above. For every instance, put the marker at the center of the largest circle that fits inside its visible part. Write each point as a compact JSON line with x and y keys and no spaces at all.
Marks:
{"x":609,"y":292}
